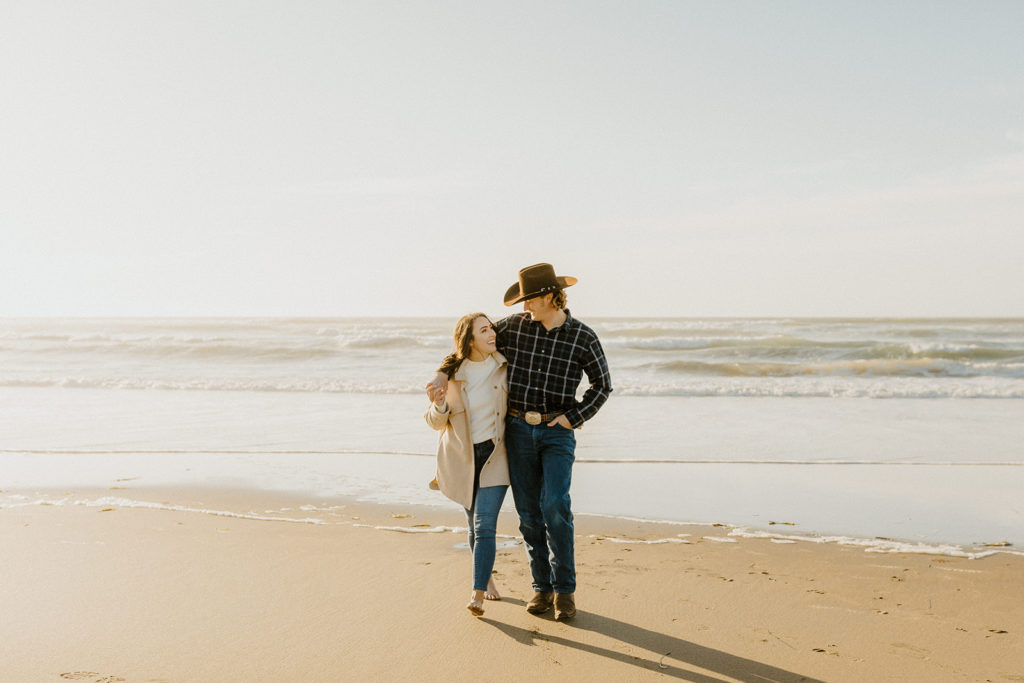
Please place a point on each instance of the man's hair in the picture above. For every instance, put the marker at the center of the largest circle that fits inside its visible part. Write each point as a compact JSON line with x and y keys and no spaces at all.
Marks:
{"x":558,"y":298}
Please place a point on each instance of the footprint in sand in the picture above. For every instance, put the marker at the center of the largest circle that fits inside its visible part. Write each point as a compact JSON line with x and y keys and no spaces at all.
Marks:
{"x":93,"y":676}
{"x":910,"y":650}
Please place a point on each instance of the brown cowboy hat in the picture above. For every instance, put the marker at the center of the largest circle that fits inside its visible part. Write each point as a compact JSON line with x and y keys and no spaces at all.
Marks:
{"x":535,"y":281}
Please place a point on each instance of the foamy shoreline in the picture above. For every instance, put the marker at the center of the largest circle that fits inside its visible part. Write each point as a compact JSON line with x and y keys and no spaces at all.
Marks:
{"x":321,"y":513}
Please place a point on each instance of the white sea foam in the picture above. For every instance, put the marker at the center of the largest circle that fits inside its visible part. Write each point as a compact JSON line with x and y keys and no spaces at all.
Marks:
{"x":283,"y":385}
{"x":416,"y":530}
{"x":113,"y":502}
{"x":875,"y":545}
{"x":655,"y":541}
{"x":688,"y":387}
{"x":732,"y":357}
{"x":878,"y":545}
{"x":316,"y":508}
{"x":646,"y":520}
{"x":827,"y":387}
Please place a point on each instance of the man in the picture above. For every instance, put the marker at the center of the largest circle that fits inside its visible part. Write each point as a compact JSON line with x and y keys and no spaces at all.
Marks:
{"x":548,"y":352}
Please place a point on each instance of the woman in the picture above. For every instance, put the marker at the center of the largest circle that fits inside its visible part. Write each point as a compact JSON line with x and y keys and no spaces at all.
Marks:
{"x":472,"y":468}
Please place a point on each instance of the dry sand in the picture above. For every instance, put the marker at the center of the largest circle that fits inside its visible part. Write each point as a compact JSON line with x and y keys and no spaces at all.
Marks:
{"x":112,"y":593}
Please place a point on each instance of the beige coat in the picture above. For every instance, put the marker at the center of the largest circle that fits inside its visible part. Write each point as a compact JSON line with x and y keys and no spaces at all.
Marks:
{"x":455,"y":466}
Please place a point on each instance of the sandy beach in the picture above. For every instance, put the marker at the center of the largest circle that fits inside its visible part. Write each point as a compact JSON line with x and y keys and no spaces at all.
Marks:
{"x":232,"y":585}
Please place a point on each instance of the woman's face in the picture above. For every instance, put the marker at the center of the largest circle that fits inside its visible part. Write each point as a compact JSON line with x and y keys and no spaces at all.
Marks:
{"x":484,"y":336}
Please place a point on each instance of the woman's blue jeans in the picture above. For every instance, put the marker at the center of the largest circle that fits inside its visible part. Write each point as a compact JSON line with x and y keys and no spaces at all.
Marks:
{"x":482,"y":520}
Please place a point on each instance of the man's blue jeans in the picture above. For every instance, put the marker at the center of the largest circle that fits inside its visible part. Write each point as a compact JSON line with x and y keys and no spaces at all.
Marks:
{"x":540,"y":462}
{"x":482,"y":520}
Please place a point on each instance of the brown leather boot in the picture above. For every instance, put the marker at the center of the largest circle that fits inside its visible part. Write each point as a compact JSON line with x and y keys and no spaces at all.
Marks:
{"x":541,"y":603}
{"x":565,"y":606}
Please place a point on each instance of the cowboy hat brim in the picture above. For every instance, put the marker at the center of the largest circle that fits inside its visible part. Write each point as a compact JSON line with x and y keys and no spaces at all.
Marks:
{"x":515,"y":294}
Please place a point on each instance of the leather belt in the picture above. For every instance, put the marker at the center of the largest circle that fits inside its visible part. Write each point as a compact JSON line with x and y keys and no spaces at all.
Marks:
{"x":532,"y":417}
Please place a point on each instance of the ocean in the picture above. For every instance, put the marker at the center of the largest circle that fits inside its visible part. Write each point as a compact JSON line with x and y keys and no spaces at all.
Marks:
{"x":893,"y":433}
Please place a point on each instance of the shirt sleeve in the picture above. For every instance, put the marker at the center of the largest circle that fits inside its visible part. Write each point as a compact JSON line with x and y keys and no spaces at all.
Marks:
{"x":437,"y":416}
{"x":595,"y":366}
{"x":501,"y":329}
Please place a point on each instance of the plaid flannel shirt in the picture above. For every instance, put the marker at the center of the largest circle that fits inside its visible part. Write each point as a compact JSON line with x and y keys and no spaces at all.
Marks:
{"x":545,"y":367}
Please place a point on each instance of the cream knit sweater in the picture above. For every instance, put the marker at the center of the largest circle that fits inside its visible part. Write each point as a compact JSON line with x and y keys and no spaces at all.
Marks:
{"x":480,"y":392}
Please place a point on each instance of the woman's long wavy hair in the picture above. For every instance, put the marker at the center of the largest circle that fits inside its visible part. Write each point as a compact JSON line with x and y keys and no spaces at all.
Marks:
{"x":463,"y":338}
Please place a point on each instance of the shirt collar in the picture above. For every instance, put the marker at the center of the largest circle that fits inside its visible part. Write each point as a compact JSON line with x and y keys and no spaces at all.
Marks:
{"x":569,"y":323}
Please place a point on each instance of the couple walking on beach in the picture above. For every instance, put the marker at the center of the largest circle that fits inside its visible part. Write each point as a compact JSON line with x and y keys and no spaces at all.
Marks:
{"x":505,"y":403}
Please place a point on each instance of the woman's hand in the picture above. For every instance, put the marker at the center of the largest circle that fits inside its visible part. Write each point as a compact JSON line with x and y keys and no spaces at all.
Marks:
{"x":437,"y":388}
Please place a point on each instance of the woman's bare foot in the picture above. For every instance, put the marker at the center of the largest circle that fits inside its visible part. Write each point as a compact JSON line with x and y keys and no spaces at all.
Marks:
{"x":476,"y":603}
{"x":492,"y":591}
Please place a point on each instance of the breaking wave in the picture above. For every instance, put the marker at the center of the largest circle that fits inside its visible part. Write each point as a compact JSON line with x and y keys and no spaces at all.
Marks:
{"x":652,"y":357}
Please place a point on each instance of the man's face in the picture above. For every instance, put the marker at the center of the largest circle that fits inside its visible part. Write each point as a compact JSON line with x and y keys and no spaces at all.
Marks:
{"x":538,"y":307}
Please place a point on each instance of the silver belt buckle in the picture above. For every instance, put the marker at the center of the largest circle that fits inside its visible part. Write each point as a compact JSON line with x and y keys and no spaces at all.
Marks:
{"x":532,"y":417}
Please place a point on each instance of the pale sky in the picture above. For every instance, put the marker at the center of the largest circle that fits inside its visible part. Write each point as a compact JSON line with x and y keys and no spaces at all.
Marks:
{"x":681,"y":158}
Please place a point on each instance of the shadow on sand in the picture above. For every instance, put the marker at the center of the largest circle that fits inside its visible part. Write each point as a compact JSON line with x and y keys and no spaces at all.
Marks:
{"x":669,"y":647}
